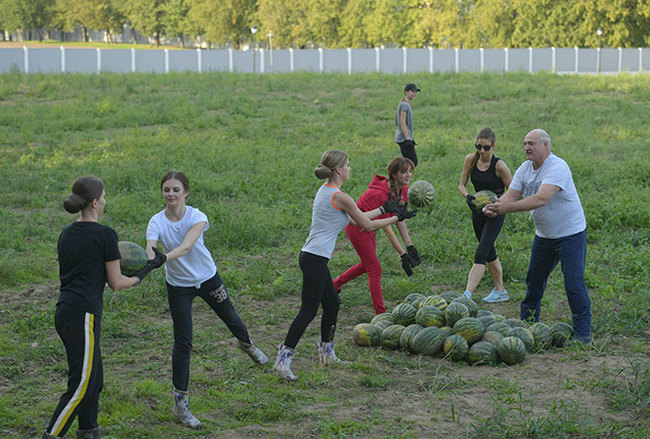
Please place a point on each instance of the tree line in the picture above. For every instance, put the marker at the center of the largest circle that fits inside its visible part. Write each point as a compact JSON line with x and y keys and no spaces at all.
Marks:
{"x":345,"y":23}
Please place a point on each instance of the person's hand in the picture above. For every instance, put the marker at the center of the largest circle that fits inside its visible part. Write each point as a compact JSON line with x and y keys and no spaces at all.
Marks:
{"x":390,"y":206}
{"x":158,"y":259}
{"x":406,"y":264}
{"x":489,"y":212}
{"x":403,"y":213}
{"x":142,"y":273}
{"x":413,"y":254}
{"x":470,"y":201}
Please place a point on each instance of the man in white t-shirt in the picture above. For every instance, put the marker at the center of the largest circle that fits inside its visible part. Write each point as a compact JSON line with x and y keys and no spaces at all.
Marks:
{"x":543,"y":185}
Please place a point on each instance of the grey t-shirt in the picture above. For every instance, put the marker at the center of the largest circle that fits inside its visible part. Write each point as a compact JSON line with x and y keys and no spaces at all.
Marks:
{"x":399,"y":135}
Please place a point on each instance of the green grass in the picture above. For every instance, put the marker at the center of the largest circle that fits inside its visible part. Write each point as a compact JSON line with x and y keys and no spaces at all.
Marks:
{"x":249,"y":144}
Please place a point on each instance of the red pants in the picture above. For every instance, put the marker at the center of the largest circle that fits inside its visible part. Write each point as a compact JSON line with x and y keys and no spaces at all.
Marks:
{"x":365,"y":243}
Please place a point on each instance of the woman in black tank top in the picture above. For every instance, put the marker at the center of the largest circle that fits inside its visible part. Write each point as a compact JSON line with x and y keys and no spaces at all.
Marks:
{"x":487,"y":172}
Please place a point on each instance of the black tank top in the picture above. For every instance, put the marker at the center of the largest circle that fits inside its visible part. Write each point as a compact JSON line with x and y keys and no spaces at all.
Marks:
{"x":488,"y":179}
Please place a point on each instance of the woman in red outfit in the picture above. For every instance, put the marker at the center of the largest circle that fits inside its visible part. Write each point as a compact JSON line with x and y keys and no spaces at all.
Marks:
{"x":365,"y":243}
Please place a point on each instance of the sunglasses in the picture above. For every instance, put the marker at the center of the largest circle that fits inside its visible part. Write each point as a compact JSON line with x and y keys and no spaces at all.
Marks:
{"x":485,"y":147}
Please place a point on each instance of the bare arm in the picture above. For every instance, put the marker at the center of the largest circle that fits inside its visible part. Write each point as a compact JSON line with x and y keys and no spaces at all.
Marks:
{"x":345,"y":202}
{"x":510,"y":201}
{"x":392,"y":238}
{"x":187,"y":244}
{"x":402,"y":124}
{"x":464,"y":176}
{"x":116,"y":280}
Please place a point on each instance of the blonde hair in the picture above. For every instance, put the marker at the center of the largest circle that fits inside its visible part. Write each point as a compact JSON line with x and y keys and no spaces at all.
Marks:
{"x":332,"y":159}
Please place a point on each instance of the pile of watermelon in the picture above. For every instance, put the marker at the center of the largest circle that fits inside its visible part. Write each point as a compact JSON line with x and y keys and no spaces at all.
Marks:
{"x":452,"y":326}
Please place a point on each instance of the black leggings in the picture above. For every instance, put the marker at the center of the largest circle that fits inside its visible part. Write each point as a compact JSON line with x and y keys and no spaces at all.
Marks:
{"x":317,"y":289}
{"x":407,"y":148}
{"x":486,"y":231}
{"x":213,"y":291}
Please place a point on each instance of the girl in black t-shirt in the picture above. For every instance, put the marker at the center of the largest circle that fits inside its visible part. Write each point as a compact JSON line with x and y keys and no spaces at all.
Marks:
{"x":88,"y":258}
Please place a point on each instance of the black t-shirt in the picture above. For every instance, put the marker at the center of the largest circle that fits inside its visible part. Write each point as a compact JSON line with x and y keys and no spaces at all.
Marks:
{"x":488,"y":179}
{"x":84,"y":248}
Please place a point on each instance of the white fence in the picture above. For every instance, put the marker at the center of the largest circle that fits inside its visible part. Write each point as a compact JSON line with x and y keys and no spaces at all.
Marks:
{"x":557,"y":60}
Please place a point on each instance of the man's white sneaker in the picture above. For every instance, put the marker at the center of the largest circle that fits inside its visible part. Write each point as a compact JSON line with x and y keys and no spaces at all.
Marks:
{"x":496,"y":296}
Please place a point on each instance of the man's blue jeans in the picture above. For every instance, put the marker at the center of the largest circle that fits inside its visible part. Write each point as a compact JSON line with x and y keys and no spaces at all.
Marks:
{"x":571,"y":251}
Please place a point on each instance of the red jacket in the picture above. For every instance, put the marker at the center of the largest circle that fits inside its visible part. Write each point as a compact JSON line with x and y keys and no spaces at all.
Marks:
{"x":377,"y":194}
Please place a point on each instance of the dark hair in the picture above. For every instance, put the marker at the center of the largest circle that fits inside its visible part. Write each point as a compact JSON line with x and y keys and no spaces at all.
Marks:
{"x":485,"y":133}
{"x":398,"y":164}
{"x":176,"y":175}
{"x":332,"y":159}
{"x":85,"y":190}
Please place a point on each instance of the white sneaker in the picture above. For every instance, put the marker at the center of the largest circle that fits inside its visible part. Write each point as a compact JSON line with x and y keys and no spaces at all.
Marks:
{"x":182,"y":410}
{"x":254,"y":352}
{"x":283,"y":363}
{"x":496,"y":296}
{"x":326,"y":353}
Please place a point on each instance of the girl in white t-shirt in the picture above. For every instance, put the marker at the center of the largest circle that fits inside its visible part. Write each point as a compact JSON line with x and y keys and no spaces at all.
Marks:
{"x":190,"y":271}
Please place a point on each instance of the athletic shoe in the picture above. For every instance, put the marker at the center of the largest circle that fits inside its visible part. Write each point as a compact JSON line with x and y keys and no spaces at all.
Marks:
{"x":467,"y":294}
{"x":283,"y":363}
{"x":182,"y":410}
{"x":254,"y":352}
{"x":326,"y":353}
{"x":496,"y":296}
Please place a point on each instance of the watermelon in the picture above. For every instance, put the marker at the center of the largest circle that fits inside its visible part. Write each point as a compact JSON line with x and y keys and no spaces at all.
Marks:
{"x":511,"y":350}
{"x":524,"y":335}
{"x":417,"y":303}
{"x":133,"y":258}
{"x":365,"y":334}
{"x":428,"y":341}
{"x":404,"y":314}
{"x":447,"y":331}
{"x":383,"y":316}
{"x":499,"y":317}
{"x":499,"y":327}
{"x":450,"y":295}
{"x":469,"y":303}
{"x":408,"y":334}
{"x":455,"y":348}
{"x":382,"y":324}
{"x":487,"y":320}
{"x":482,"y":352}
{"x":421,"y":193}
{"x":484,"y":312}
{"x":470,"y":328}
{"x":492,"y":337}
{"x":413,"y":297}
{"x":515,"y":323}
{"x":435,"y":300}
{"x":454,"y":312}
{"x":542,"y":334}
{"x":560,"y":333}
{"x":430,"y":316}
{"x":391,"y":335}
{"x":483,"y":198}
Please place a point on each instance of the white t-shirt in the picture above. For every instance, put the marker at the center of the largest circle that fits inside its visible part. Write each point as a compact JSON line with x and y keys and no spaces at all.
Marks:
{"x":193,"y":268}
{"x":562,"y":215}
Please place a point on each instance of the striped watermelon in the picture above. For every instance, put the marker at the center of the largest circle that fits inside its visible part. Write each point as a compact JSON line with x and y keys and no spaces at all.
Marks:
{"x":133,"y":258}
{"x":387,"y":316}
{"x":487,"y":320}
{"x":482,"y":352}
{"x":500,"y":327}
{"x":450,"y":295}
{"x":430,"y":316}
{"x":455,"y":348}
{"x":511,"y":350}
{"x":454,"y":312}
{"x":483,"y":198}
{"x":435,"y":300}
{"x":421,"y":193}
{"x":484,"y":312}
{"x":447,"y":331}
{"x":428,"y":341}
{"x":560,"y":333}
{"x":391,"y":335}
{"x":499,"y":317}
{"x":365,"y":334}
{"x":513,"y":323}
{"x":417,"y":303}
{"x":469,"y":303}
{"x":409,"y":333}
{"x":470,"y":328}
{"x":411,"y":298}
{"x":542,"y":334}
{"x":524,"y":335}
{"x":404,"y":314}
{"x":492,"y":337}
{"x":382,"y":324}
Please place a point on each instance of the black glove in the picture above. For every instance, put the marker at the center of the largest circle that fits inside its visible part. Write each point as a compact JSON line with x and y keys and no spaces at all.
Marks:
{"x":404,"y":214}
{"x":406,"y":264}
{"x":158,"y":259}
{"x":390,"y":206}
{"x":470,"y":201}
{"x":414,"y":255}
{"x":141,"y":274}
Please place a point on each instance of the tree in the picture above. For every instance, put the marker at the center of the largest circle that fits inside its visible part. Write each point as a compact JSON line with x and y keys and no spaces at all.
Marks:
{"x":279,"y":17}
{"x":441,"y":23}
{"x":147,"y":16}
{"x":27,"y":15}
{"x":176,"y":19}
{"x":224,"y":21}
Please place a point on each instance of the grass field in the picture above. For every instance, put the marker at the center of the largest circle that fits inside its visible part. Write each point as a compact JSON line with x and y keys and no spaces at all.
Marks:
{"x":249,"y":144}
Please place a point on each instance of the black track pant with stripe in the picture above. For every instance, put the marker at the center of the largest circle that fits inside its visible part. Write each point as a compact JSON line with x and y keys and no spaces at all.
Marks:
{"x":80,"y":333}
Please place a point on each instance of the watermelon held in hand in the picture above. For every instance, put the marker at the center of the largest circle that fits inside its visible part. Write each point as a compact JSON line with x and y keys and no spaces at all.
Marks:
{"x":133,"y":258}
{"x":483,"y":198}
{"x":365,"y":334}
{"x":421,"y":193}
